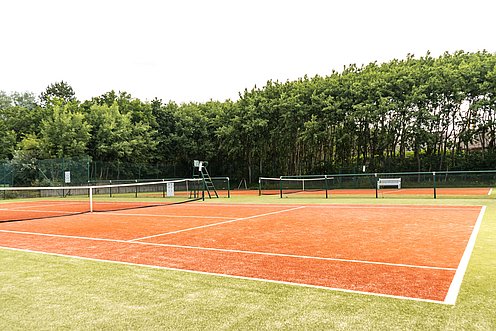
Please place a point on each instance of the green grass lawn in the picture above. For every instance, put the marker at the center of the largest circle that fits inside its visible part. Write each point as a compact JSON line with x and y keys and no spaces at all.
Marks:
{"x":41,"y":292}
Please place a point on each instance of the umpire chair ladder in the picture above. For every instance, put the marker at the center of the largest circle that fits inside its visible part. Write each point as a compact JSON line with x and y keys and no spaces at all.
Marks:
{"x":209,"y":185}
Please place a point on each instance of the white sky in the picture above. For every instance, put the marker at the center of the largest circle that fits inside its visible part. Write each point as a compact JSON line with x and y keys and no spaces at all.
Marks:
{"x":194,"y":50}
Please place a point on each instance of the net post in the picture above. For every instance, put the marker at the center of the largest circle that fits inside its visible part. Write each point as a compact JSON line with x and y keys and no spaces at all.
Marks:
{"x":165,"y":185}
{"x":434,"y":184}
{"x":259,"y":186}
{"x":325,"y":183}
{"x":228,"y":188}
{"x":136,"y":189}
{"x":280,"y":187}
{"x":110,"y":188}
{"x":91,"y":199}
{"x":376,"y":186}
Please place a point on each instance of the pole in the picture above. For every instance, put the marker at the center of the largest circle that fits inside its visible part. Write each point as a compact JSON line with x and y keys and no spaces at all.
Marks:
{"x":88,"y":169}
{"x":376,"y":186}
{"x":91,"y":199}
{"x":434,"y":182}
{"x":325,"y":183}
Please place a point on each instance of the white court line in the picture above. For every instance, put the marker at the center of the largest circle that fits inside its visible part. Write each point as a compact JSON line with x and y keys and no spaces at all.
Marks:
{"x":68,"y":213}
{"x":45,"y":205}
{"x":352,"y":206}
{"x":103,"y":213}
{"x":144,"y":243}
{"x":231,"y":276}
{"x":218,"y":223}
{"x":64,"y":236}
{"x":401,"y":207}
{"x":392,"y":191}
{"x":456,"y":283}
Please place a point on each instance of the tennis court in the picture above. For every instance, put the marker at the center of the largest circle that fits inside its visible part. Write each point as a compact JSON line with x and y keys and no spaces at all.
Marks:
{"x":466,"y":192}
{"x":407,"y":185}
{"x":422,"y":193}
{"x":409,"y":252}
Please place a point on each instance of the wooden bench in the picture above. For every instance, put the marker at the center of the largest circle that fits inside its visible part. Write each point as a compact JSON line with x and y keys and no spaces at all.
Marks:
{"x":389,"y":182}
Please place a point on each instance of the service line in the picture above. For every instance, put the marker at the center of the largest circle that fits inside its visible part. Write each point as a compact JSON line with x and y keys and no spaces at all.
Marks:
{"x":218,"y":223}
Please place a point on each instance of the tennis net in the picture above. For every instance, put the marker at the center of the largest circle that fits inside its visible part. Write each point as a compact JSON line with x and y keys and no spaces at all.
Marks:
{"x":317,"y":186}
{"x":25,"y":203}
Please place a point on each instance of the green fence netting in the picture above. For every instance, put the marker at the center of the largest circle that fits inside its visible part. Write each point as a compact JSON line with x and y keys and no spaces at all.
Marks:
{"x":400,"y":184}
{"x":60,"y":172}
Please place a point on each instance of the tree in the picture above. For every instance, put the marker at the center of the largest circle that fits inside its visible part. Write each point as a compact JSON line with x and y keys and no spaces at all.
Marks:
{"x":115,"y":138}
{"x":19,"y":117}
{"x":59,"y":90}
{"x":65,"y":133}
{"x":7,"y":141}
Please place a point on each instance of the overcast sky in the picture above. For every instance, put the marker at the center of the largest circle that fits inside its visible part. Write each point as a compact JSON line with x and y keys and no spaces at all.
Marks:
{"x":193,"y":50}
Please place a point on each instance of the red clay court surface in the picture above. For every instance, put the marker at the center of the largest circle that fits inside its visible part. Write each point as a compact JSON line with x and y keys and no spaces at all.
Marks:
{"x":412,"y":252}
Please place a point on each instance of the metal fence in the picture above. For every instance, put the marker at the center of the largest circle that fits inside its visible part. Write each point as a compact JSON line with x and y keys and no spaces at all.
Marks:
{"x":6,"y":174}
{"x":60,"y":172}
{"x":405,"y":183}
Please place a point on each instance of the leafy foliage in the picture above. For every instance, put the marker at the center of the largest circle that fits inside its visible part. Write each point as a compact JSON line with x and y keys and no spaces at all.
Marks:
{"x":60,"y":90}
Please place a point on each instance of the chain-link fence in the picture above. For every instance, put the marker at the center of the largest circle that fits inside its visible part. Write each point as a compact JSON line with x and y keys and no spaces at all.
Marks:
{"x":403,"y":184}
{"x":6,"y":174}
{"x":60,"y":172}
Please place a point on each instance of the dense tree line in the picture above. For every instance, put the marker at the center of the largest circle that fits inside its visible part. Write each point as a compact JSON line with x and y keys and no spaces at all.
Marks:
{"x":404,"y":115}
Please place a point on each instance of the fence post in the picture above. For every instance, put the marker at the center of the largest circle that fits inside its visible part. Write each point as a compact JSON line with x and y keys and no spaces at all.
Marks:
{"x":88,"y":169}
{"x":434,"y":182}
{"x":376,"y":187}
{"x":325,"y":181}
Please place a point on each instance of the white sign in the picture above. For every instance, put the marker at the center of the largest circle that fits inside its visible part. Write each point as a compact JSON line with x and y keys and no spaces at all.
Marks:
{"x":170,"y":189}
{"x":67,"y":177}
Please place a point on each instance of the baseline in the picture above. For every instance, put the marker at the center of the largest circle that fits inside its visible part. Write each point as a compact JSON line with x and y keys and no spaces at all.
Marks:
{"x":36,"y":205}
{"x":337,"y":289}
{"x":456,"y":284}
